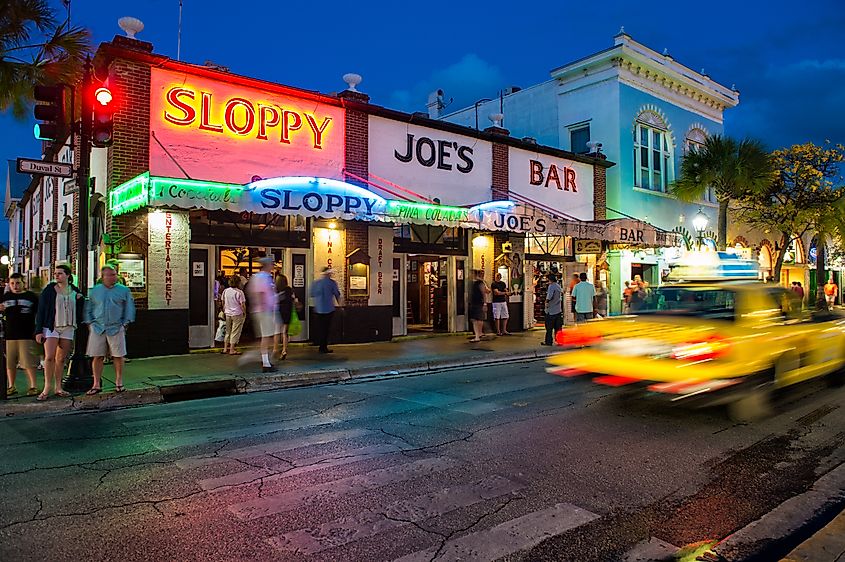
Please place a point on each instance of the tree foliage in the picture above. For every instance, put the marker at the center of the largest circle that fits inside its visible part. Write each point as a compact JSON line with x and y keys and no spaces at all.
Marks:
{"x":804,"y":196}
{"x":733,"y":169}
{"x":36,"y":48}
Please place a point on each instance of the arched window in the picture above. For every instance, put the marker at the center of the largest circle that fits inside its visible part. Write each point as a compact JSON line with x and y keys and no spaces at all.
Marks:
{"x":694,"y":142}
{"x":653,"y":165}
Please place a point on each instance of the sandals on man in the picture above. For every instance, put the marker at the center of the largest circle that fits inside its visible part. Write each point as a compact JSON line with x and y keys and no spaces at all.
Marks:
{"x":94,"y":391}
{"x":119,"y":388}
{"x":11,"y":391}
{"x":63,"y":394}
{"x":42,"y":397}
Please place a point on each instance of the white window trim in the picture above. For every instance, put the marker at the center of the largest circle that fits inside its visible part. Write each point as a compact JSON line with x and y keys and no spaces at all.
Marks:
{"x":667,"y":173}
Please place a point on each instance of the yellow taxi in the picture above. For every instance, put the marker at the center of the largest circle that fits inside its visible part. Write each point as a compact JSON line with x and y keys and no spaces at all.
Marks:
{"x":714,"y":336}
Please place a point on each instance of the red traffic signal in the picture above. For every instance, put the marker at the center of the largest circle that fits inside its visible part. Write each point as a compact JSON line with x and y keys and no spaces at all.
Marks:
{"x":50,"y":109}
{"x":102,"y":133}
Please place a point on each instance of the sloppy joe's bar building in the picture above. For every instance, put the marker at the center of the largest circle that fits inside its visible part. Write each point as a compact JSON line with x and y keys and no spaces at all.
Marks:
{"x":210,"y":171}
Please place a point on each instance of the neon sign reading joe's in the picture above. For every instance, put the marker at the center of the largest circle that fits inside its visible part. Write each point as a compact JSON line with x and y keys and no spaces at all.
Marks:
{"x":242,"y":117}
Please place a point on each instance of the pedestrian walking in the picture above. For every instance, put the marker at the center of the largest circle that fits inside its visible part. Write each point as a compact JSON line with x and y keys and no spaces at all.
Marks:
{"x":500,"y":305}
{"x":553,"y":310}
{"x":325,"y":292}
{"x":60,"y":307}
{"x":109,"y":310}
{"x":585,"y":299}
{"x":626,"y":298}
{"x":262,"y":301}
{"x":19,"y":307}
{"x":286,"y":298}
{"x":234,"y":308}
{"x":478,"y":304}
{"x":831,"y":291}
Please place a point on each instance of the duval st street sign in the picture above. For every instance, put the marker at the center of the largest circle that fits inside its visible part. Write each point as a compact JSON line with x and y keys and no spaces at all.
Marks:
{"x":41,"y":168}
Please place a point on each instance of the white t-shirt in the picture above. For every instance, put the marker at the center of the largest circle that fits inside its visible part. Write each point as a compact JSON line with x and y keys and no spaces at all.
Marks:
{"x":234,"y":302}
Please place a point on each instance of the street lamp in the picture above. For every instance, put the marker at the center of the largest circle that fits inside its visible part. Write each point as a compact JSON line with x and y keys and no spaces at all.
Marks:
{"x":699,"y":223}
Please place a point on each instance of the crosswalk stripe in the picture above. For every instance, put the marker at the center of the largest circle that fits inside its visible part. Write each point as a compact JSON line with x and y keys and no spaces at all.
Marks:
{"x":369,"y":523}
{"x":201,"y":437}
{"x":301,"y":466}
{"x":651,"y":550}
{"x":508,"y":537}
{"x":276,"y":447}
{"x":272,"y":505}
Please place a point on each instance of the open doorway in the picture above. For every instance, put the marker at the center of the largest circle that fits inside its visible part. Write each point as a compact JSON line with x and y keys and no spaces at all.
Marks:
{"x":428,"y":304}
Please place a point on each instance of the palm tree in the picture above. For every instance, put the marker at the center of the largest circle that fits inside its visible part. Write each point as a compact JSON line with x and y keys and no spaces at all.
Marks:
{"x":732,"y":168}
{"x":35,"y":48}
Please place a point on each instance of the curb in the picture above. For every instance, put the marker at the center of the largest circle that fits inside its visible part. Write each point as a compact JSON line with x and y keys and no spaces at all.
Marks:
{"x":223,"y":385}
{"x":778,"y":532}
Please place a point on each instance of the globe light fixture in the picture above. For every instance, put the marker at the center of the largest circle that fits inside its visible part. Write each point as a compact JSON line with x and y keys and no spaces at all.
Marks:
{"x":4,"y":260}
{"x":699,"y":223}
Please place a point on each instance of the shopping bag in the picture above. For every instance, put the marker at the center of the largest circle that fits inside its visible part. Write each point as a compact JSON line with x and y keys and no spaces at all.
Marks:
{"x":295,"y":326}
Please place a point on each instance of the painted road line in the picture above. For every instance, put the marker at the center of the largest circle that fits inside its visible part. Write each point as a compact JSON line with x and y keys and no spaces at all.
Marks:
{"x":369,"y":523}
{"x":510,"y":536}
{"x":275,"y":447}
{"x":330,"y":491}
{"x":301,"y":466}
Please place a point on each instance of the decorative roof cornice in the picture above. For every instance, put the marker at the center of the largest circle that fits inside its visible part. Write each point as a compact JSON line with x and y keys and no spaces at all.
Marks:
{"x":643,"y":68}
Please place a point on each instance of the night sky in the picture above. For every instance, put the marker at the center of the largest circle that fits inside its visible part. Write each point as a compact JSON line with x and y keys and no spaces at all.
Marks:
{"x":786,"y":58}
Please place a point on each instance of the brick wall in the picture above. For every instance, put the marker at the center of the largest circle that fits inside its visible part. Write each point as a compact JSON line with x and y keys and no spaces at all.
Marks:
{"x":356,"y":162}
{"x":600,"y":192}
{"x":130,"y":153}
{"x":500,"y":172}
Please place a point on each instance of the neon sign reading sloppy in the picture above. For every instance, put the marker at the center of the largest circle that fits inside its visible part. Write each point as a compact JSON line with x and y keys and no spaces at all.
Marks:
{"x":242,"y":117}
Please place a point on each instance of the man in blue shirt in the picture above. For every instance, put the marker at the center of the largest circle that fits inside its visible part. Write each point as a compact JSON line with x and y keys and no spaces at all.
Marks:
{"x":585,"y":295}
{"x":553,"y":316}
{"x":325,"y":292}
{"x":109,"y":309}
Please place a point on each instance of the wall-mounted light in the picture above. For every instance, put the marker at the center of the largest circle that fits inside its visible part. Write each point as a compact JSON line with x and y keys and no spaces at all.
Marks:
{"x":333,"y":225}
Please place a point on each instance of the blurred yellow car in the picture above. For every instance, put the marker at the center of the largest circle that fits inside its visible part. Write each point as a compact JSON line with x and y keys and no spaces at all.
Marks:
{"x":710,"y":342}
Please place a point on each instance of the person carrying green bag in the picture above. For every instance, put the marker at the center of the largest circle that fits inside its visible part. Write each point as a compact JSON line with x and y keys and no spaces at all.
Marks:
{"x":286,"y":317}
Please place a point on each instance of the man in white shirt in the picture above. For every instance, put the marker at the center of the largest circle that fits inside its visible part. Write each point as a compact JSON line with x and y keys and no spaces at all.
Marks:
{"x":585,"y":295}
{"x":262,"y":302}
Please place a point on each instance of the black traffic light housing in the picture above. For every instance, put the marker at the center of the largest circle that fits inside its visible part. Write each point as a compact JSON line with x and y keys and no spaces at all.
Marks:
{"x":50,"y":110}
{"x":102,"y":132}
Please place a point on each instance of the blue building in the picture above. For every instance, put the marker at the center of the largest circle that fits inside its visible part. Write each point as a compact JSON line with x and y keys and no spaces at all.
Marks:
{"x":644,"y":111}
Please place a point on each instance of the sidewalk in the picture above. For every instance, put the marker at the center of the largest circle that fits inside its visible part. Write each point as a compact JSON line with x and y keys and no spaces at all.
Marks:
{"x":827,"y":545}
{"x":208,"y":373}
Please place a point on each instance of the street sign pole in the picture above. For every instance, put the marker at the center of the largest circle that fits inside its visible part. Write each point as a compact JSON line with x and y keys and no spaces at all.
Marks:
{"x":80,"y":376}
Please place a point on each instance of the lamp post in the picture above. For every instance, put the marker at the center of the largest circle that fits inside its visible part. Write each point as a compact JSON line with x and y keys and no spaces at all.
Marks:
{"x":79,"y":375}
{"x":699,"y":223}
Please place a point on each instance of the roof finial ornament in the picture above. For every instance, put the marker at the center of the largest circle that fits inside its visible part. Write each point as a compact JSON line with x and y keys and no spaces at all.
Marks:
{"x":621,"y":30}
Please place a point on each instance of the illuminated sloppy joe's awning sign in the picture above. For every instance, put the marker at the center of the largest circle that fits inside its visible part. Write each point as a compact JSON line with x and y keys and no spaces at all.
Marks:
{"x":328,"y":198}
{"x":223,"y":132}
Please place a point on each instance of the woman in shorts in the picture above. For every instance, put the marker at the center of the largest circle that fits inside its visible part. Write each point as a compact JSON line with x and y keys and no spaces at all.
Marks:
{"x":60,"y":308}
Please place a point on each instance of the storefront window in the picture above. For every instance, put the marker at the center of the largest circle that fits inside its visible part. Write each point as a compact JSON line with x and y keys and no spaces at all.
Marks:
{"x":418,"y":238}
{"x":546,"y":245}
{"x":249,"y":229}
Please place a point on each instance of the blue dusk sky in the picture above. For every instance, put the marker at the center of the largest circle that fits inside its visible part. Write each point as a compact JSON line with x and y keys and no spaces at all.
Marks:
{"x":786,"y":58}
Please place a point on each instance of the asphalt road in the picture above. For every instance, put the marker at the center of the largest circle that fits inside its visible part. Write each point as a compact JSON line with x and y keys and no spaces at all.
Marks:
{"x":471,"y":464}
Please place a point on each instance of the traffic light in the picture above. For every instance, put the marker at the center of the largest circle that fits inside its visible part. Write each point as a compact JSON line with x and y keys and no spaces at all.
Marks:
{"x":102,"y":133}
{"x":50,"y":109}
